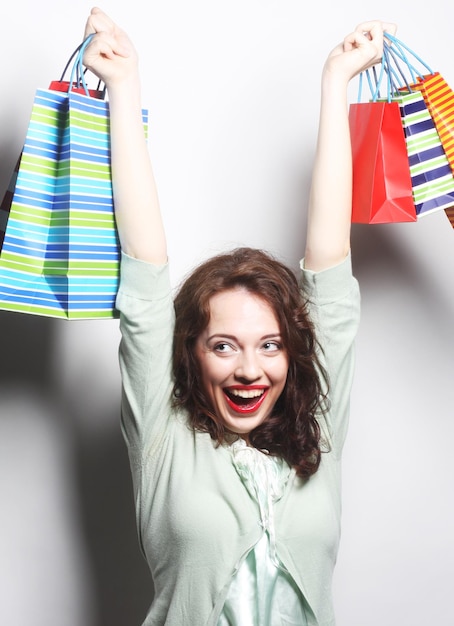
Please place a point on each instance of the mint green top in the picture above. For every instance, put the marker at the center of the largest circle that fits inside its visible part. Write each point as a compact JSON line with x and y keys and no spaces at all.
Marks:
{"x":262,"y":592}
{"x":196,"y":520}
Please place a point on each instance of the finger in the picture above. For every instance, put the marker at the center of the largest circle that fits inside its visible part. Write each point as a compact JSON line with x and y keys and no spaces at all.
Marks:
{"x":107,"y":46}
{"x":99,"y":46}
{"x":108,"y":37}
{"x":376,"y":28}
{"x":389,"y":27}
{"x":98,"y":21}
{"x":358,"y":38}
{"x":362,"y":50}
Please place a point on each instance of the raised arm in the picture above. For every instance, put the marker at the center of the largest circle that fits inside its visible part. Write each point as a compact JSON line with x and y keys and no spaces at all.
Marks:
{"x":112,"y":57}
{"x":329,"y":215}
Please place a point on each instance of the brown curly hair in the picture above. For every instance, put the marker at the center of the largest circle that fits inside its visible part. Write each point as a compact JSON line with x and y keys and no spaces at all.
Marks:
{"x":292,"y":431}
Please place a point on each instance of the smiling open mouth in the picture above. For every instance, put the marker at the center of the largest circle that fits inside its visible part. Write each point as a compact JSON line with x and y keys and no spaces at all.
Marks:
{"x":245,"y":400}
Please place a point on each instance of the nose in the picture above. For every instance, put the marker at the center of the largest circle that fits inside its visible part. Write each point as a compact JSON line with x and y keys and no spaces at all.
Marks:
{"x":248,"y":367}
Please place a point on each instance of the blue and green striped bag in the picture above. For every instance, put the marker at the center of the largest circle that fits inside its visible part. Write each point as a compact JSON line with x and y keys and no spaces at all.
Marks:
{"x":60,"y":254}
{"x":431,"y":174}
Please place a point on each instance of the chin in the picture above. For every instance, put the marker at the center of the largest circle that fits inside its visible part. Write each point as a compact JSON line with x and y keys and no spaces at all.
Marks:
{"x":243,"y":429}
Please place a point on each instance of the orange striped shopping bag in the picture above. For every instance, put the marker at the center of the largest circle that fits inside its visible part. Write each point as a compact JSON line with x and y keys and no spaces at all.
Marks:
{"x":450,"y":215}
{"x":439,"y":98}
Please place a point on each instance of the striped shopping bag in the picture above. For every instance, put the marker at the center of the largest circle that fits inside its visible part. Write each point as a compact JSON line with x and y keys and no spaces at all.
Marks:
{"x":60,"y":255}
{"x":438,"y":96}
{"x":431,"y":175}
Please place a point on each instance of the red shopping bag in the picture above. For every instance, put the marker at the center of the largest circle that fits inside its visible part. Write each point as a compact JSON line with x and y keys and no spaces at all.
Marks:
{"x":382,"y":187}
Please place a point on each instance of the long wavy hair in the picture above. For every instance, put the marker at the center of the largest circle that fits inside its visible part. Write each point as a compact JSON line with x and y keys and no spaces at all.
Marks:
{"x":292,"y":431}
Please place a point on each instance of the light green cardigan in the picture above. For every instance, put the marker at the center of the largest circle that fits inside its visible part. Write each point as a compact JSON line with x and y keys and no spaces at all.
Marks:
{"x":196,"y":520}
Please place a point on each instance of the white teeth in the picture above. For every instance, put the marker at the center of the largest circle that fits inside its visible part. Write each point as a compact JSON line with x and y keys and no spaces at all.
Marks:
{"x":247,"y":393}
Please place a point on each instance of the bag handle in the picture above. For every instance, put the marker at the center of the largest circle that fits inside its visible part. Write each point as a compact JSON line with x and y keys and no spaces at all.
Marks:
{"x":398,"y":62}
{"x":394,"y":69}
{"x":375,"y":81}
{"x":77,"y":76}
{"x":77,"y":70}
{"x":404,"y":52}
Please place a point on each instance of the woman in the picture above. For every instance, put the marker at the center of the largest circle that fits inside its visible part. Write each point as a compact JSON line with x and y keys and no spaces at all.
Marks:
{"x":233,"y":434}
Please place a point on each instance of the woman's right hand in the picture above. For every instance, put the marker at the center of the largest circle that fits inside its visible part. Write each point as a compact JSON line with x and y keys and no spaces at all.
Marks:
{"x":112,"y":57}
{"x":110,"y":54}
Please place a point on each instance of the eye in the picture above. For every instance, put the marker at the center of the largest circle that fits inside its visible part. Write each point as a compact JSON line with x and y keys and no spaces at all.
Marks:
{"x":222,"y":348}
{"x":272,"y":346}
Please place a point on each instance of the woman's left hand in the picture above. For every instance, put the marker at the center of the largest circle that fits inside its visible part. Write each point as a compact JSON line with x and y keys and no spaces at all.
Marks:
{"x":360,"y":50}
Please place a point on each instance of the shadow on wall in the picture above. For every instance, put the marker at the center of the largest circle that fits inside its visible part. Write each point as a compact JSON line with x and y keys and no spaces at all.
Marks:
{"x":67,"y":531}
{"x":398,"y":259}
{"x":121,"y":582}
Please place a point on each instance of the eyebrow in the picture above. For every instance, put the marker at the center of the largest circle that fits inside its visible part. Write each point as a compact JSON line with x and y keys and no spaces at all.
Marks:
{"x":234,"y":338}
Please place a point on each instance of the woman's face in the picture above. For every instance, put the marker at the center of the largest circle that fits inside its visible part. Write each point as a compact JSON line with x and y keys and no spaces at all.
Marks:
{"x":242,"y":360}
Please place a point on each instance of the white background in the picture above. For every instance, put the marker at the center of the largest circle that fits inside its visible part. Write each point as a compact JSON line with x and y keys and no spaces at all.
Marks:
{"x":233,"y":90}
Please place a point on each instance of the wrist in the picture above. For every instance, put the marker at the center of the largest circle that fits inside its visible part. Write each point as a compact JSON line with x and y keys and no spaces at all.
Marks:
{"x":124,"y":89}
{"x":334,"y":80}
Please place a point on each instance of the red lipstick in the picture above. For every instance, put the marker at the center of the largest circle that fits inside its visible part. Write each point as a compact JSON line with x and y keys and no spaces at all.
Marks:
{"x":245,"y":406}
